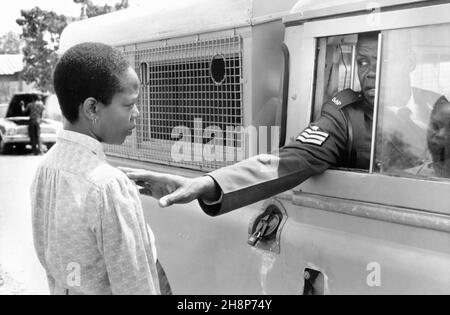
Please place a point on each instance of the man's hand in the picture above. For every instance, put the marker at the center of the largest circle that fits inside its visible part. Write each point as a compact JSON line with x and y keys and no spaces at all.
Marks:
{"x":172,"y":189}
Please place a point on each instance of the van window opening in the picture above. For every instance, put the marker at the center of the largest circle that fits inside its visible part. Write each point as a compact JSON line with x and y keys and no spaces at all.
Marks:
{"x":412,"y":111}
{"x":336,"y":71}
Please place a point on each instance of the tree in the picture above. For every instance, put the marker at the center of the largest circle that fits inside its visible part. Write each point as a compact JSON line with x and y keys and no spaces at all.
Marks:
{"x":41,"y":31}
{"x":10,"y":44}
{"x":90,"y":10}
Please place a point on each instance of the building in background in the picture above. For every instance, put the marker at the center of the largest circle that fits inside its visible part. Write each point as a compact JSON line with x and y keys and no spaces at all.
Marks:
{"x":11,"y":82}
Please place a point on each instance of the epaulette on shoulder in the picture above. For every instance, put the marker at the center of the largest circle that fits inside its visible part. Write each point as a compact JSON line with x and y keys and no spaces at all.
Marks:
{"x":346,"y":97}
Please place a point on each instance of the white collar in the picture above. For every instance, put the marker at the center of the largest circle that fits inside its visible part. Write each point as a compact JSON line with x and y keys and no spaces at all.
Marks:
{"x":89,"y":143}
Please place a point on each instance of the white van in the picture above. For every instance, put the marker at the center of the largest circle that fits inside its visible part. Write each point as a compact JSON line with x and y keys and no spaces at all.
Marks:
{"x":261,"y":63}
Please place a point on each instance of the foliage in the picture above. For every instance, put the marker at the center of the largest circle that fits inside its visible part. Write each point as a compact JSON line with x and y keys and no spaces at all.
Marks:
{"x":10,"y":44}
{"x":90,"y":10}
{"x":41,"y":31}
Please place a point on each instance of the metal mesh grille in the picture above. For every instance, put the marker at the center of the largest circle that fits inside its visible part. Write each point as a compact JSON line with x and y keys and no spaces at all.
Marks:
{"x":178,"y":89}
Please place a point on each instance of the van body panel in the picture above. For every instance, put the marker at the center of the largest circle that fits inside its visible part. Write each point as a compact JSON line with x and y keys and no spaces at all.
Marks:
{"x":157,"y":22}
{"x":352,"y":252}
{"x":313,"y":10}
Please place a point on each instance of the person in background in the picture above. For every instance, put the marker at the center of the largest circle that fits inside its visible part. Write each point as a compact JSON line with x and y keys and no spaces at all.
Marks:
{"x":35,"y":109}
{"x":438,"y":139}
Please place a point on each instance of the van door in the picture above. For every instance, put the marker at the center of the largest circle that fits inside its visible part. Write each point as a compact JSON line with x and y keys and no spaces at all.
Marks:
{"x":379,"y":230}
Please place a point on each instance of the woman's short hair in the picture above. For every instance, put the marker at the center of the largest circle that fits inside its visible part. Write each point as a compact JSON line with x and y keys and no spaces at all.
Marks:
{"x":88,"y":70}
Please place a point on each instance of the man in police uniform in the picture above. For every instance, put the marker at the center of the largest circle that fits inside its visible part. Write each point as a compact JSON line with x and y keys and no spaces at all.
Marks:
{"x":340,"y":138}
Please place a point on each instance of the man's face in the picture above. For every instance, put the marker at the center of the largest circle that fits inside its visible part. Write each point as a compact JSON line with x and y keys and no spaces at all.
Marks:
{"x":118,"y":119}
{"x":366,"y":58}
{"x":439,"y":140}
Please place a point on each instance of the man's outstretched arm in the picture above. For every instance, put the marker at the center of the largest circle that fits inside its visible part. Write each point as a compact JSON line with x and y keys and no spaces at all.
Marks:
{"x":320,"y":146}
{"x":172,"y":189}
{"x":231,"y":187}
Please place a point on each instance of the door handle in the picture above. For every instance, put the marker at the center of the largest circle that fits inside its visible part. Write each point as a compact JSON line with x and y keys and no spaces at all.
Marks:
{"x":265,"y":229}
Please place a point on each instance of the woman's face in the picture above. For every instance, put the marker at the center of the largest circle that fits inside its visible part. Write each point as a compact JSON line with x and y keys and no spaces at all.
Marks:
{"x":439,"y":139}
{"x":118,"y":119}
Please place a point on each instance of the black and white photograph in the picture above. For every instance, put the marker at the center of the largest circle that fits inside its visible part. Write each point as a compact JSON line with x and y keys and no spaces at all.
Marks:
{"x":225,"y":152}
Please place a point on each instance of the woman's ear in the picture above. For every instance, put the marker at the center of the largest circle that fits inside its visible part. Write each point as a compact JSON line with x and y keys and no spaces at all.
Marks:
{"x":90,"y":108}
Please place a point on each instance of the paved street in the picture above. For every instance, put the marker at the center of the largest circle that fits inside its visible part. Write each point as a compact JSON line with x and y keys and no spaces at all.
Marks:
{"x":20,"y":271}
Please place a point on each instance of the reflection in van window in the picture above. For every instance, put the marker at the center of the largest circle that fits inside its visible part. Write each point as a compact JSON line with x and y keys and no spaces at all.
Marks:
{"x":414,"y":123}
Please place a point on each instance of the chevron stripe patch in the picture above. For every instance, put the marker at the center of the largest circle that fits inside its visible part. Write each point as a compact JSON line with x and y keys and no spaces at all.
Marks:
{"x":313,"y":135}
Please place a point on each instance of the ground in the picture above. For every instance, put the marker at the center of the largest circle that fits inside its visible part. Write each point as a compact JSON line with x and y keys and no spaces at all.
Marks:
{"x":20,"y":270}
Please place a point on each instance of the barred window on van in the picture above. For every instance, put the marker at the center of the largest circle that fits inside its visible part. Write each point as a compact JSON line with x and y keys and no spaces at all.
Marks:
{"x":413,"y":132}
{"x":191,"y":93}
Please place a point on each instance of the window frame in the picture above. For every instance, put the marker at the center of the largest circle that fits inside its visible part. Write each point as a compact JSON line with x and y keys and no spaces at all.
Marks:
{"x":412,"y":195}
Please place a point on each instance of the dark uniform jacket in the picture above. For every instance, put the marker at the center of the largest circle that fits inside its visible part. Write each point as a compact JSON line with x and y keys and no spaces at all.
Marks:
{"x":341,"y":137}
